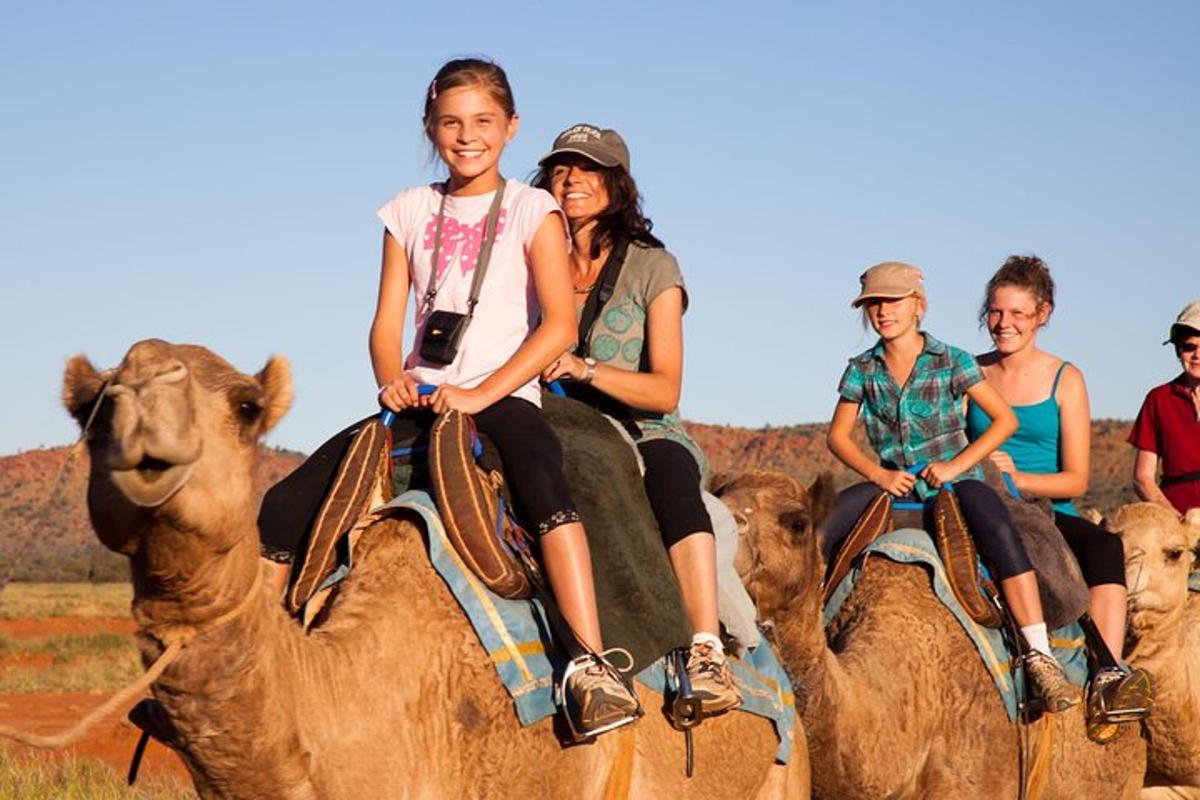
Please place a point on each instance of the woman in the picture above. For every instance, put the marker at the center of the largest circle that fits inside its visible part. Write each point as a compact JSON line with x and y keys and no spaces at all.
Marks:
{"x":629,"y":363}
{"x":1048,"y":456}
{"x":1168,"y":426}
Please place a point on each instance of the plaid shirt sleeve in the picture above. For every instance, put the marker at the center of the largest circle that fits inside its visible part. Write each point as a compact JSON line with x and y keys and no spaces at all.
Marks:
{"x":850,"y":387}
{"x":964,"y":371}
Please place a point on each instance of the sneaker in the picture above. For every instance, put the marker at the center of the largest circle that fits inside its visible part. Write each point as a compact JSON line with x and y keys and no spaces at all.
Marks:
{"x":1047,"y":675}
{"x":712,"y":681}
{"x":595,"y":697}
{"x":1115,"y":697}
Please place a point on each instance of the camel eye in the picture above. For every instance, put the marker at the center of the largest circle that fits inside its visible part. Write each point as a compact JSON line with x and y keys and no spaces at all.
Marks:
{"x":797,"y":521}
{"x":249,"y":411}
{"x":1174,"y":554}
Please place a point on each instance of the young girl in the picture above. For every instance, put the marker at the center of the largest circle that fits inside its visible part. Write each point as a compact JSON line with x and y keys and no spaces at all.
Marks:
{"x":630,"y":365}
{"x":469,"y":117}
{"x":1048,"y":456}
{"x":909,"y":387}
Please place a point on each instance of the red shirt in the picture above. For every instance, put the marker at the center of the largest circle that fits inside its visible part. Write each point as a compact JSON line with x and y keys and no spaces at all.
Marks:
{"x":1167,"y":426}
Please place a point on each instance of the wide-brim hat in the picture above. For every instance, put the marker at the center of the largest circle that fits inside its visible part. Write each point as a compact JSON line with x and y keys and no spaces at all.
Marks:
{"x":1186,"y":324}
{"x":601,"y":145}
{"x":890,"y":280}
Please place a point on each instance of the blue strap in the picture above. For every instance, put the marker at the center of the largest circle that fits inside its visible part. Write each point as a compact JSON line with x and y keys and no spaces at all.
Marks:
{"x":387,"y":416}
{"x":556,"y":388}
{"x":1057,"y":375}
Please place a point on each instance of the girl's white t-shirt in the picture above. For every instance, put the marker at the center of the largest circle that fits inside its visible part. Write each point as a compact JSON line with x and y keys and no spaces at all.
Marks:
{"x":508,"y":308}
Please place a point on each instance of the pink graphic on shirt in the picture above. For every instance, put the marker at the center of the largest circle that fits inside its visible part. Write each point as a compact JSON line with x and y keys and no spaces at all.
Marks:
{"x":460,"y":242}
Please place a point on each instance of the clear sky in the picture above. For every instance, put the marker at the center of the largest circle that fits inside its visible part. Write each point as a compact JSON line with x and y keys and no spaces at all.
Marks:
{"x":209,"y":172}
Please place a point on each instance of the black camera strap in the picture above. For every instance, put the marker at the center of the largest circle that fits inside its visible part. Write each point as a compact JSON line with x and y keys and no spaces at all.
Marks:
{"x":605,"y":284}
{"x":485,"y":250}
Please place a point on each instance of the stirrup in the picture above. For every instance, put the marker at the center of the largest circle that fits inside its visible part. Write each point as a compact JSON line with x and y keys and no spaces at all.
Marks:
{"x":580,"y":663}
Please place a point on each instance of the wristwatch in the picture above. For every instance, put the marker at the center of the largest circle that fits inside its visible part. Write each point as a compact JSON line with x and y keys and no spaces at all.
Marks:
{"x":590,"y":375}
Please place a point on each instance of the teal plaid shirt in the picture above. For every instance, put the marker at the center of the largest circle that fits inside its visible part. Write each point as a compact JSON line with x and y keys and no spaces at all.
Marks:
{"x":921,"y":422}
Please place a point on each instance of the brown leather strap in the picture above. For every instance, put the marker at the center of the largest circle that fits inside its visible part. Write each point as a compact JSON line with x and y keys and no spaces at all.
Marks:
{"x":873,"y":523}
{"x":961,"y":561}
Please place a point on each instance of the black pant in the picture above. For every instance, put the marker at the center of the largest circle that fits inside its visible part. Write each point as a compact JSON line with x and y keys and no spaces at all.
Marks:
{"x":1100,"y":554}
{"x":673,"y":485}
{"x":990,"y":524}
{"x":533,"y":462}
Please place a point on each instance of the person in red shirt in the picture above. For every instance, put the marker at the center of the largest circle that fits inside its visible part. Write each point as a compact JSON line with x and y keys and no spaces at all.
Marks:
{"x":1167,"y":429}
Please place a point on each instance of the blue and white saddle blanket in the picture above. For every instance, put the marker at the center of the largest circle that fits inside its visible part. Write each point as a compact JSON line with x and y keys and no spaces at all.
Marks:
{"x":513,"y":632}
{"x":911,"y":546}
{"x":1194,"y":582}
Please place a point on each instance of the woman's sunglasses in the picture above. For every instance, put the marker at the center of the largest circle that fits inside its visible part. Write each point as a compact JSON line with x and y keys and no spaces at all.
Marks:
{"x":1187,"y":349}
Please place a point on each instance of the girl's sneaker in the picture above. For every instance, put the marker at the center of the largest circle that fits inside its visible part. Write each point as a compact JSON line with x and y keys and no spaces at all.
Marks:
{"x":712,"y":680}
{"x":595,"y":697}
{"x":1046,"y":673}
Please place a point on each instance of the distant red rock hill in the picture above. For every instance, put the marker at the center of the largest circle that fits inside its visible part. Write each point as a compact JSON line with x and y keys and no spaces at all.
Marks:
{"x":45,"y":534}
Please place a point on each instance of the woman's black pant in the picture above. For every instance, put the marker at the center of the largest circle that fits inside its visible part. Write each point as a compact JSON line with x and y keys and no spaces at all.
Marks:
{"x":672,"y":482}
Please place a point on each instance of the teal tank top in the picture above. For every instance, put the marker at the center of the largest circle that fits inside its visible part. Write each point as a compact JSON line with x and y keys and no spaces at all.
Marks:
{"x":1035,"y":446}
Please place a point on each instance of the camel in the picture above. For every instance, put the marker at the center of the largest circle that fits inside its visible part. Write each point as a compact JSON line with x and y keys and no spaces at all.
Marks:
{"x":895,"y":701}
{"x":1164,"y":638}
{"x":392,"y":695}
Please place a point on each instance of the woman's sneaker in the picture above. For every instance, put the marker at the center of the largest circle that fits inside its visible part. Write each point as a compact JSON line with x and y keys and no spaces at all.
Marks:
{"x":595,"y":697}
{"x":1046,"y":673}
{"x":712,"y":680}
{"x":1115,"y":697}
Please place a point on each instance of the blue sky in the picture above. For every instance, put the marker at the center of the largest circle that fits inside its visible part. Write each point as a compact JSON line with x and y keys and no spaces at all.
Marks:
{"x":209,"y":173}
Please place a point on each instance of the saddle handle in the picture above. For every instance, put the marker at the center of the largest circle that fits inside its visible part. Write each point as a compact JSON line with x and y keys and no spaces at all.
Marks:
{"x":916,"y":469}
{"x":387,"y":416}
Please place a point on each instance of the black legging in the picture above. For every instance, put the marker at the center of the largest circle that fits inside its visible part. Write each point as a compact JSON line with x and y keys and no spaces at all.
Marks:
{"x":987,"y":518}
{"x":533,"y":462}
{"x":1100,"y":553}
{"x":673,"y":486}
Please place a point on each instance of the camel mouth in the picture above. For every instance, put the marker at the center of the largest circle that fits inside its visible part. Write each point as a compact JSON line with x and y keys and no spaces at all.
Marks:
{"x":152,"y":481}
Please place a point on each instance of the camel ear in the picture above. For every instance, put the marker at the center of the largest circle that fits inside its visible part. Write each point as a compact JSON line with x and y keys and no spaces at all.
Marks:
{"x":81,"y":387}
{"x":821,"y":497}
{"x":276,"y":380}
{"x":1191,"y":521}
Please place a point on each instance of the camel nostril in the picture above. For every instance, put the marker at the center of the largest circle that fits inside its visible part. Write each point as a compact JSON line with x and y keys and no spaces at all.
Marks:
{"x":150,"y":468}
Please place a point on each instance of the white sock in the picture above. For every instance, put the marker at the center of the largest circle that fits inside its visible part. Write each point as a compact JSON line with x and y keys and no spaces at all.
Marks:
{"x":712,"y":639}
{"x":1038,"y":638}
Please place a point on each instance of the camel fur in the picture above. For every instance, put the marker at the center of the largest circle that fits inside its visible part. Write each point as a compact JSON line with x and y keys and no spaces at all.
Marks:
{"x":392,"y":695}
{"x":1164,"y":637}
{"x":894,"y":698}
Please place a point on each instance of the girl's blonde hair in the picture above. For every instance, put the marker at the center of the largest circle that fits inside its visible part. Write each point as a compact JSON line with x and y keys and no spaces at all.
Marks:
{"x":922,"y":303}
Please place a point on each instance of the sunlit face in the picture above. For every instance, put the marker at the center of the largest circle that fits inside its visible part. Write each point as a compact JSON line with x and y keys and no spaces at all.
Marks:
{"x":1014,"y":317}
{"x":469,"y":129}
{"x":1188,"y":351}
{"x":893,"y":318}
{"x":577,"y":183}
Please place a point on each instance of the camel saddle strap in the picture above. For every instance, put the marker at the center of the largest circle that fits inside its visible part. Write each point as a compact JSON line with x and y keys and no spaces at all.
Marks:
{"x":874,"y":522}
{"x":469,"y":500}
{"x":957,"y":550}
{"x":364,"y":471}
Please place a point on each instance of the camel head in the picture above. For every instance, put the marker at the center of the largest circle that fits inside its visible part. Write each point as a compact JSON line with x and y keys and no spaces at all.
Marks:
{"x":777,"y":518}
{"x":172,"y":439}
{"x":1159,"y":554}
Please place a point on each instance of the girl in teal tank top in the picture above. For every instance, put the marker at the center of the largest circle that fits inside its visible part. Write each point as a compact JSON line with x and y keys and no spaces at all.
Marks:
{"x":1049,"y":456}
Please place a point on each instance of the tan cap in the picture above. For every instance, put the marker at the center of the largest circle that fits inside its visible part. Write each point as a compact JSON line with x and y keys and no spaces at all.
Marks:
{"x":890,"y":280}
{"x":1188,"y":318}
{"x":602,"y":145}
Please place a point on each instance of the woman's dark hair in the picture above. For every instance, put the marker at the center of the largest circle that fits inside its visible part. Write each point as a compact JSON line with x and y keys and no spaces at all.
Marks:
{"x":1024,"y":272}
{"x":623,"y":219}
{"x":468,"y":72}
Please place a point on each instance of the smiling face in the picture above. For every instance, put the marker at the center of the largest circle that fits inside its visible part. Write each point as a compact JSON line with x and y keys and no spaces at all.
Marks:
{"x":577,"y":183}
{"x":1014,"y":316}
{"x":893,"y":318}
{"x":469,"y":130}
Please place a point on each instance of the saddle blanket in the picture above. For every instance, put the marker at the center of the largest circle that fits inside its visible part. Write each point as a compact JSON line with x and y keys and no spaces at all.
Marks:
{"x":912,"y":546}
{"x":1194,"y":582}
{"x":513,"y":632}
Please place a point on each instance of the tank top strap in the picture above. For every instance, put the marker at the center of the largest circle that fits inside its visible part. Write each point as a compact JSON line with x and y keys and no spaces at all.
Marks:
{"x":1057,"y":377}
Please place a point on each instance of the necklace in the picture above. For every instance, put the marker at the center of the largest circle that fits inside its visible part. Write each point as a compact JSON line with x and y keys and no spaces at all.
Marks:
{"x":583,"y":289}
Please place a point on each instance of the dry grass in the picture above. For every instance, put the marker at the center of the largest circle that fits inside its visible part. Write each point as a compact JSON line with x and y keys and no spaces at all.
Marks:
{"x":65,"y":648}
{"x":38,"y":600}
{"x":31,"y":778}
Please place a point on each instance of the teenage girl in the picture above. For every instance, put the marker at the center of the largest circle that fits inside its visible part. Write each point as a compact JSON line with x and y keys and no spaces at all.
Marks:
{"x":910,"y":388}
{"x":1048,"y":456}
{"x":469,"y":117}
